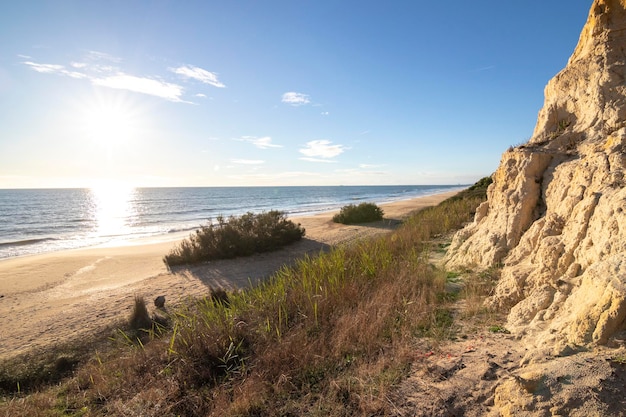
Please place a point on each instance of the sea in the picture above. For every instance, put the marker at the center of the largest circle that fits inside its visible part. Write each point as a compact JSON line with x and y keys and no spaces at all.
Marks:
{"x":34,"y":221}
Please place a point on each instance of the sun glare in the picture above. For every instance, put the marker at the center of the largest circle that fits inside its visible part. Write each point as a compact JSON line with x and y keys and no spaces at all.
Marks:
{"x":113,"y":208}
{"x":107,"y":125}
{"x":110,"y":121}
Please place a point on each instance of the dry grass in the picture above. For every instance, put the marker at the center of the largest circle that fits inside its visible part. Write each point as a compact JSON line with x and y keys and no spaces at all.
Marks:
{"x":329,"y":337}
{"x":140,"y":318}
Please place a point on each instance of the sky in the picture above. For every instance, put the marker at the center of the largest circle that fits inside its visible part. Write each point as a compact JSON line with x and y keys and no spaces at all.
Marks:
{"x":272,"y":93}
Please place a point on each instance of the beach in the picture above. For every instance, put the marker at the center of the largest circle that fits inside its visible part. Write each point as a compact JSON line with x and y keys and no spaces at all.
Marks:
{"x":57,"y":297}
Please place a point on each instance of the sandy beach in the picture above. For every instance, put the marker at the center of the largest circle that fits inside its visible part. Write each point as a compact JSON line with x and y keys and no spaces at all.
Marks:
{"x":56,"y":297}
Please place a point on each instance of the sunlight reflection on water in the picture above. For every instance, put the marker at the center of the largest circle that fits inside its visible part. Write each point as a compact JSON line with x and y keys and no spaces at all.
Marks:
{"x":113,"y":208}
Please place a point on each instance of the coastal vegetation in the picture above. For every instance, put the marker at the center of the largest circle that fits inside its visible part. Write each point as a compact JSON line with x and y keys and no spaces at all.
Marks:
{"x":362,"y":213}
{"x":236,"y":236}
{"x":332,"y":335}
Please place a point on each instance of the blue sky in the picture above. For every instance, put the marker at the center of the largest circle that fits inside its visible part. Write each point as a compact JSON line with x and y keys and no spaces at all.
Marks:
{"x":209,"y":93}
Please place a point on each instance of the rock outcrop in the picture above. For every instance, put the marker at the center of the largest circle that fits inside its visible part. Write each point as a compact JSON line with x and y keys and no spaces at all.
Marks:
{"x":555,"y":218}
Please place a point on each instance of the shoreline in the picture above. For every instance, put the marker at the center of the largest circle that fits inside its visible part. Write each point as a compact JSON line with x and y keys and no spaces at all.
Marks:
{"x":138,"y":237}
{"x":56,"y":297}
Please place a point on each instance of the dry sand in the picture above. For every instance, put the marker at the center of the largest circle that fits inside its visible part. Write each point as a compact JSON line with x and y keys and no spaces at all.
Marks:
{"x":57,"y":297}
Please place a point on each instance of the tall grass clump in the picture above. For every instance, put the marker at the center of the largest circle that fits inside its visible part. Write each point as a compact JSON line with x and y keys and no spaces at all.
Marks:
{"x":139,"y":318}
{"x":238,"y":236}
{"x":363,"y":213}
{"x":329,"y":336}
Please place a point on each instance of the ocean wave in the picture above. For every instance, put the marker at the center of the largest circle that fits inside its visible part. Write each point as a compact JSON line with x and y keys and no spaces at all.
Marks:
{"x":26,"y":242}
{"x":182,"y":229}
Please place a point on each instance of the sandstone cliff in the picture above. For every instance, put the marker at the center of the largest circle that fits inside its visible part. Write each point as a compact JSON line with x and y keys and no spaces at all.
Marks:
{"x":555,"y":217}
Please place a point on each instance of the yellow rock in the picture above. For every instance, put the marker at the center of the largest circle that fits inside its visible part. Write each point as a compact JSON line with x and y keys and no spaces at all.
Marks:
{"x":556,"y":211}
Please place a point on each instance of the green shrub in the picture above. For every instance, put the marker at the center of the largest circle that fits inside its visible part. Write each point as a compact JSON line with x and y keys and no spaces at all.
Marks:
{"x":238,"y":236}
{"x":363,"y":213}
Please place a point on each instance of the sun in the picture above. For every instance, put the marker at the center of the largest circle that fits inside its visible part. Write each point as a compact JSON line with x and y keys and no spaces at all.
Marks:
{"x":108,"y":125}
{"x":110,"y":121}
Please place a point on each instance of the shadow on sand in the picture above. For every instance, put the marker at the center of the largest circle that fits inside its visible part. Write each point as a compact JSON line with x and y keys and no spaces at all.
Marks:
{"x":241,"y":272}
{"x":231,"y":274}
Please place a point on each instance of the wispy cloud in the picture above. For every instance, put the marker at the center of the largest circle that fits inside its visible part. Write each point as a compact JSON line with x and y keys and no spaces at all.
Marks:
{"x":142,"y":85}
{"x":369,"y":166}
{"x":247,"y":161}
{"x":262,"y":143}
{"x":103,"y":70}
{"x":360,"y":172}
{"x":102,"y":56}
{"x":117,"y":80}
{"x":54,"y":69}
{"x":295,"y":99}
{"x":322,"y":149}
{"x":264,"y":177}
{"x":325,"y":113}
{"x":199,"y":74}
{"x":44,"y":68}
{"x":327,"y":161}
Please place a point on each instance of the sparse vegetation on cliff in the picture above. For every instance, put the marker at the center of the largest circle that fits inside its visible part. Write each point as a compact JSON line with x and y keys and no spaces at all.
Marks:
{"x":331,"y":336}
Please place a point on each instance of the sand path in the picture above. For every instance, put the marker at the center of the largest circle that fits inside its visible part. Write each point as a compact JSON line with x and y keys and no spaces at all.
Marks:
{"x":53,"y":298}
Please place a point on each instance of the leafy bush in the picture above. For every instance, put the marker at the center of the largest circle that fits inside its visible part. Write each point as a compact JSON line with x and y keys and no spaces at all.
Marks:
{"x":363,"y":213}
{"x":239,"y":236}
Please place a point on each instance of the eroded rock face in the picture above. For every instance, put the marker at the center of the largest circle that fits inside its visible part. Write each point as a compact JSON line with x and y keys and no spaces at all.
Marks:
{"x":555,"y":216}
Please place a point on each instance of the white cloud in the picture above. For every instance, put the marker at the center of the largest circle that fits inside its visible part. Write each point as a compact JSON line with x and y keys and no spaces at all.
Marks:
{"x":45,"y":68}
{"x":200,"y":95}
{"x":75,"y":74}
{"x":102,"y":56}
{"x":247,"y":161}
{"x":111,"y":77}
{"x":355,"y":172}
{"x":276,"y":176}
{"x":327,"y":161}
{"x":322,"y":149}
{"x":369,"y":166}
{"x":142,"y":85}
{"x":54,"y":69}
{"x":325,"y":113}
{"x":199,"y":74}
{"x":262,"y":143}
{"x":295,"y":99}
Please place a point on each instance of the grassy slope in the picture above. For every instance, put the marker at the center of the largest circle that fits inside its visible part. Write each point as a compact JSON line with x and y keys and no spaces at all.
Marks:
{"x":331,"y":336}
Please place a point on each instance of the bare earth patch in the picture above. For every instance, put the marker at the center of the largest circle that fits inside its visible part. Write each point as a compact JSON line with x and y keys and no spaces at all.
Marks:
{"x":487,"y":371}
